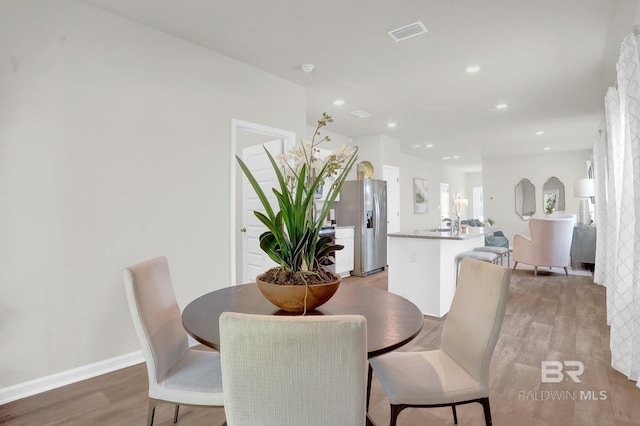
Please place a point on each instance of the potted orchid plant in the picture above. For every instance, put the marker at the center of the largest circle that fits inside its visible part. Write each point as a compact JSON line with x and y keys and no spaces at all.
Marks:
{"x":292,"y":238}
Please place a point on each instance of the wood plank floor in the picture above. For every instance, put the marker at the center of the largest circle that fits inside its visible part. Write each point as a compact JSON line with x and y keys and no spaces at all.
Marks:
{"x":549,"y":317}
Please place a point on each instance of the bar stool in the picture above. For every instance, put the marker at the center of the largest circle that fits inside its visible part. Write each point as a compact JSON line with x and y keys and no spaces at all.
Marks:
{"x":500,"y":251}
{"x":484,"y":256}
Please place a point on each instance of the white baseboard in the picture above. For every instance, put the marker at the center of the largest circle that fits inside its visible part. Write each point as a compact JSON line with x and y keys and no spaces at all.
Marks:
{"x":43,"y":384}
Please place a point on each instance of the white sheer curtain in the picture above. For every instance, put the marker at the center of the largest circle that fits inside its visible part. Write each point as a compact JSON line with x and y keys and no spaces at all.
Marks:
{"x":613,"y":186}
{"x":601,"y":173}
{"x":617,"y":162}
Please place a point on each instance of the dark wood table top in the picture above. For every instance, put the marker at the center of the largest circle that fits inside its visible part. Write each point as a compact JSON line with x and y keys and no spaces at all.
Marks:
{"x":392,"y":321}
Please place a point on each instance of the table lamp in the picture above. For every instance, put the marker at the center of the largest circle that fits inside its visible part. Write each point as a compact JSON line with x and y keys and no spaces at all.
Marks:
{"x":458,"y":202}
{"x":584,"y":189}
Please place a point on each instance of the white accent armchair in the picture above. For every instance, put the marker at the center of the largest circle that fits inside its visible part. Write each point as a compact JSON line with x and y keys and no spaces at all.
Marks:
{"x":284,"y":370}
{"x":549,"y":244}
{"x":177,"y":374}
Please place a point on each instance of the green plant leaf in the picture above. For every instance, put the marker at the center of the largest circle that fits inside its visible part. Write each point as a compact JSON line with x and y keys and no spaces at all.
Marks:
{"x":293,"y":233}
{"x":256,"y":187}
{"x":269,"y":244}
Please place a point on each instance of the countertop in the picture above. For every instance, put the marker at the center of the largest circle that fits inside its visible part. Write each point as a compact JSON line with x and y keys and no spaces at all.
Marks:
{"x":472,"y":232}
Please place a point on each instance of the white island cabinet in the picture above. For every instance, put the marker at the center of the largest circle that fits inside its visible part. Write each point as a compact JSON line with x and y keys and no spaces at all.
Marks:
{"x":422,"y":266}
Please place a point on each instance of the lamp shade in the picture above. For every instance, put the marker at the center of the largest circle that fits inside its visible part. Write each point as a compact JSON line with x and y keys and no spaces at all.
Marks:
{"x":584,"y":188}
{"x":458,"y":203}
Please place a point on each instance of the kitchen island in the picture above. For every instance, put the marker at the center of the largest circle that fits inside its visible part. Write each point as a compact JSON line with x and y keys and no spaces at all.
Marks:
{"x":422,"y":265}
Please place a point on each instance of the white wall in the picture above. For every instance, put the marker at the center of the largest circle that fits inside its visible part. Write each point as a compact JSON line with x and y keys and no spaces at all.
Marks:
{"x":336,"y":142}
{"x":114,"y":148}
{"x":457,"y":185}
{"x":501,"y":175}
{"x":381,"y":150}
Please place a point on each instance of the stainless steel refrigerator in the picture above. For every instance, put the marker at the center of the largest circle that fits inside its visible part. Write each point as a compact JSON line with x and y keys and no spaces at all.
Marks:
{"x":363,"y":204}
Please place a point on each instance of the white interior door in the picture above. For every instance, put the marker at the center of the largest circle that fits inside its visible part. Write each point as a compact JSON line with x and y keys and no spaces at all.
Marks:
{"x":254,"y":260}
{"x":444,"y":201}
{"x":245,"y":134}
{"x":391,"y":174}
{"x":478,"y":203}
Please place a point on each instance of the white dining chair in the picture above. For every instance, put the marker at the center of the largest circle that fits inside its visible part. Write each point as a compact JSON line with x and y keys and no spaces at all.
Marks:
{"x":177,"y":373}
{"x":294,"y":370}
{"x":458,"y":372}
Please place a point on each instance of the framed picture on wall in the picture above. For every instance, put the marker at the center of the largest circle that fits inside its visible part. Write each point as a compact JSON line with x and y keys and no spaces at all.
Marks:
{"x":420,"y":196}
{"x":550,"y":200}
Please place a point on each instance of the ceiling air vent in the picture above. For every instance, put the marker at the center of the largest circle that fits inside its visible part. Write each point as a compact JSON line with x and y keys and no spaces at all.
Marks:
{"x":407,"y":31}
{"x":360,"y":114}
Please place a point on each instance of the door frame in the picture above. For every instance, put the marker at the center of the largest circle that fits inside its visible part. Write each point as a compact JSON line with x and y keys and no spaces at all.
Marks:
{"x":447,"y":203}
{"x":386,"y":169}
{"x":288,"y":139}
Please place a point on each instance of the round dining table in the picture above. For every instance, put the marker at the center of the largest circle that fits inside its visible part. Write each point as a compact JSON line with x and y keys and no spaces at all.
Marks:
{"x":392,"y":320}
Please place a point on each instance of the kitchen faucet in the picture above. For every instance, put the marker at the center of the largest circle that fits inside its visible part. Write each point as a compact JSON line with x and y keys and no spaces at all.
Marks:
{"x":450,"y":223}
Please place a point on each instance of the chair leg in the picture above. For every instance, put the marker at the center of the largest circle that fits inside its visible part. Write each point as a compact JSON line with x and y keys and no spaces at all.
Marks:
{"x":455,"y":415}
{"x":395,"y":410}
{"x":535,"y":271}
{"x":369,"y":378}
{"x":487,"y":411}
{"x":565,"y":271}
{"x":175,"y":416}
{"x":515,"y":264}
{"x":152,"y":411}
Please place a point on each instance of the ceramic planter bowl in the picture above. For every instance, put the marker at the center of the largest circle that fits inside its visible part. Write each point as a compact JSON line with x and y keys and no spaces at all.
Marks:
{"x":291,"y":297}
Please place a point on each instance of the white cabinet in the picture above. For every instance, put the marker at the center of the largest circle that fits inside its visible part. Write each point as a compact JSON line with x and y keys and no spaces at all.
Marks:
{"x":583,"y":247}
{"x":344,"y":257}
{"x":422,"y":268}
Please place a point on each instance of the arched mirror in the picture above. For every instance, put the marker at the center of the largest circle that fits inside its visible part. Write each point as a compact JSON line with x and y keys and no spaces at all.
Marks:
{"x":553,"y":196}
{"x":525,"y":199}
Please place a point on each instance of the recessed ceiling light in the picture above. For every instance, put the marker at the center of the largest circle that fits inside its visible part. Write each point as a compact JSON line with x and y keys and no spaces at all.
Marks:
{"x":446,"y":158}
{"x":502,"y":106}
{"x":540,"y":132}
{"x":392,"y":124}
{"x":429,"y":145}
{"x":547,"y":148}
{"x":307,"y":67}
{"x":455,"y":157}
{"x":415,"y":145}
{"x":338,"y":102}
{"x":472,"y":68}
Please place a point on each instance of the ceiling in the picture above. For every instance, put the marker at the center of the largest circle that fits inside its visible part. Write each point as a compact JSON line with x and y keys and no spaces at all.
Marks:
{"x":551,"y":61}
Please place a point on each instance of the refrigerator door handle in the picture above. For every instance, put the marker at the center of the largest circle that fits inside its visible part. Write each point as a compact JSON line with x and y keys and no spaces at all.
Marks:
{"x":376,"y":204}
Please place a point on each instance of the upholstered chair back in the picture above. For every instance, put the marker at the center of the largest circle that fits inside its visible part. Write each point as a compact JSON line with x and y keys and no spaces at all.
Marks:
{"x":286,"y":370}
{"x":156,"y":315}
{"x":473,"y":323}
{"x":551,"y":238}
